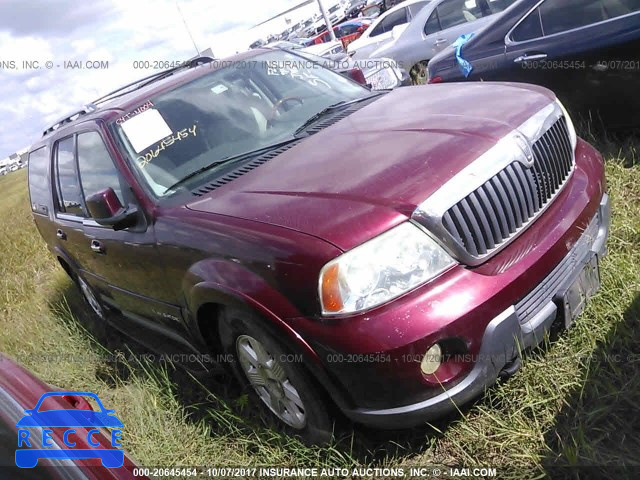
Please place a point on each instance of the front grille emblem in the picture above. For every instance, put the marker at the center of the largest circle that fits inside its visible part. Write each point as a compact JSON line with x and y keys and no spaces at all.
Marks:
{"x":525,"y":147}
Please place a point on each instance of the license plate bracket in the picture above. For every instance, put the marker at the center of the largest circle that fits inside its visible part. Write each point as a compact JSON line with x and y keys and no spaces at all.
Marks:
{"x":573,"y":301}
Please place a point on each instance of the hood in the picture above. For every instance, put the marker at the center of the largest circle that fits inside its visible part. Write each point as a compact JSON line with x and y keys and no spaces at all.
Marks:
{"x":368,"y":172}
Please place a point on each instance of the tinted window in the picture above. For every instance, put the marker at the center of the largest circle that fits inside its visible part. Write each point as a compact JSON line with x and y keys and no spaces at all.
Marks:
{"x":386,"y":25}
{"x":39,"y":180}
{"x":496,"y":6}
{"x":457,"y":12}
{"x":414,"y":8}
{"x":97,"y":171}
{"x":348,"y":29}
{"x":433,"y":24}
{"x":561,"y":15}
{"x":529,"y":28}
{"x":70,"y":192}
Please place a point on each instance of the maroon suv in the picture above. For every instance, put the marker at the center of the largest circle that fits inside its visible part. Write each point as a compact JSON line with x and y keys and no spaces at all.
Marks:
{"x":388,"y":253}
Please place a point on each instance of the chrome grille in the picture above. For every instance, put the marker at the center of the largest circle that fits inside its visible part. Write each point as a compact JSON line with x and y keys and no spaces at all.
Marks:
{"x":492,"y":213}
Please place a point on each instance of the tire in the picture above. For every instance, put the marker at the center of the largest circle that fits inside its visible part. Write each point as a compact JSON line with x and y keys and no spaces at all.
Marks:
{"x":294,"y":404}
{"x":418,"y":73}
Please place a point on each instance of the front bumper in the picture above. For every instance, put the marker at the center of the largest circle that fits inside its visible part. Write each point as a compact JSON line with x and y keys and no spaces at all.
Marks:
{"x":520,"y":326}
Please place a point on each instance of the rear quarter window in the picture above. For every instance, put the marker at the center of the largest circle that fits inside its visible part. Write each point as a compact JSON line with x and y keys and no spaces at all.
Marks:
{"x":39,"y":191}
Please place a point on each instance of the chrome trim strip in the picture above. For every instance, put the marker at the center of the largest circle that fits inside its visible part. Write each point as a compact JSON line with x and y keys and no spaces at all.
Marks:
{"x":516,"y":146}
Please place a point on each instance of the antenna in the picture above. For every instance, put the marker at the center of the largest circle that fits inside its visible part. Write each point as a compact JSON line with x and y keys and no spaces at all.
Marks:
{"x":187,"y":28}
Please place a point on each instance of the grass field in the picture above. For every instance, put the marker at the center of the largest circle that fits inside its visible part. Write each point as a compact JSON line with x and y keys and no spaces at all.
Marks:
{"x":574,"y":402}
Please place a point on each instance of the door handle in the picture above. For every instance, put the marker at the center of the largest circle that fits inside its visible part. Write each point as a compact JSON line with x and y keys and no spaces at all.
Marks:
{"x":96,"y":246}
{"x":61,"y":235}
{"x":440,"y":41}
{"x":526,"y":58}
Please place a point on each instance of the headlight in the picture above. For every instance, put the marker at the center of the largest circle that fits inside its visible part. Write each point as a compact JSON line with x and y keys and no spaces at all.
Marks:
{"x":572,"y":130}
{"x":381,"y":269}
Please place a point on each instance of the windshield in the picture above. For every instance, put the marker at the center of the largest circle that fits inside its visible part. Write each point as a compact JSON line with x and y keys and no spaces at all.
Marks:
{"x":246,"y":106}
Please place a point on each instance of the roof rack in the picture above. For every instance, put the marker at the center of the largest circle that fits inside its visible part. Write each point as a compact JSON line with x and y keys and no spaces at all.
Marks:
{"x":128,"y":88}
{"x":70,"y":117}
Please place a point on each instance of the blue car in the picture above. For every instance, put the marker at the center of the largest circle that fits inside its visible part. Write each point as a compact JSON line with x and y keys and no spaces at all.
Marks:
{"x":87,"y":423}
{"x":586,"y":51}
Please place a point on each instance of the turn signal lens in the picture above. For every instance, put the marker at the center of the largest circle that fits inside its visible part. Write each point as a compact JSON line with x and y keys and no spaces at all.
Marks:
{"x":331,"y":299}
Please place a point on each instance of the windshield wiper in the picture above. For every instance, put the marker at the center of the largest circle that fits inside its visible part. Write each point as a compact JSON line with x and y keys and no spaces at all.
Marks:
{"x":234,"y":158}
{"x":311,"y":120}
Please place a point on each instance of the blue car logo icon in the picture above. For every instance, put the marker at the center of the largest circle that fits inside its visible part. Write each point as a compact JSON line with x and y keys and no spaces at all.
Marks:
{"x":30,"y":436}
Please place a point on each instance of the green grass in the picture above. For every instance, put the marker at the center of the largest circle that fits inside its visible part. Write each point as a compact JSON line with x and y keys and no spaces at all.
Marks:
{"x":573,"y":403}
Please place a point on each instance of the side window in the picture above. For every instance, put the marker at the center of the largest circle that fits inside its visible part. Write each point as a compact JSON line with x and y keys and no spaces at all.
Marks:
{"x":394,"y":19}
{"x":457,"y":12}
{"x":433,"y":24}
{"x":415,"y":8}
{"x":348,"y":29}
{"x":97,"y":171}
{"x":496,"y":6}
{"x":39,"y":191}
{"x":561,"y":15}
{"x":529,"y":28}
{"x":70,"y":194}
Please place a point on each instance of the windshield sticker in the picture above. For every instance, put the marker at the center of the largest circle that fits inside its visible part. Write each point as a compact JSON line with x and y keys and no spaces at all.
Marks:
{"x":292,"y":70}
{"x":218,"y":89}
{"x":144,"y":160}
{"x":145,"y":129}
{"x":140,"y":109}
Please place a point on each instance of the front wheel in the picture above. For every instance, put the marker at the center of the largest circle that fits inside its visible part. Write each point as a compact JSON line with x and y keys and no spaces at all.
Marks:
{"x":418,"y":73}
{"x":275,"y":378}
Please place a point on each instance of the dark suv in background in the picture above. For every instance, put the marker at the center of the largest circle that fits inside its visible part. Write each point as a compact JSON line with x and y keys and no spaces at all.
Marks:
{"x":382,"y":253}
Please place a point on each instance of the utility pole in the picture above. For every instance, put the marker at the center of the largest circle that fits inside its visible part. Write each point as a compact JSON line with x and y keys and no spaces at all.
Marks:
{"x":332,"y":34}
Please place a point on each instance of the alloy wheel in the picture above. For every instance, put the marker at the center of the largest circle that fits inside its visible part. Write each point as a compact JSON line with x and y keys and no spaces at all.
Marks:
{"x":270,"y":381}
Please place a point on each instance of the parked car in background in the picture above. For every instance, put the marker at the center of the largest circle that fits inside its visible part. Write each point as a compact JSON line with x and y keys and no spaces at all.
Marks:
{"x":379,"y":73}
{"x":590,"y":59}
{"x":433,"y":29}
{"x":355,"y":8}
{"x":380,"y":30}
{"x":404,"y":247}
{"x":324,"y":49}
{"x":3,"y":171}
{"x":346,"y":32}
{"x":20,"y":391}
{"x":374,"y":8}
{"x":337,"y":13}
{"x":14,"y":167}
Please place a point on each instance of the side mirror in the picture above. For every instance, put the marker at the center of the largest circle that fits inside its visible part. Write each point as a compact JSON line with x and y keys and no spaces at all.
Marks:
{"x":105,"y":208}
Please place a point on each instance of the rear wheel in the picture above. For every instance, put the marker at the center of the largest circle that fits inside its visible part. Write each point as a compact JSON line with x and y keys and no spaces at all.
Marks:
{"x":418,"y":73}
{"x":275,"y":379}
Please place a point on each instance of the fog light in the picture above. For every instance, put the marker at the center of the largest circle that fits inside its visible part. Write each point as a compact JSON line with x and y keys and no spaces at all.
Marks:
{"x":431,"y":360}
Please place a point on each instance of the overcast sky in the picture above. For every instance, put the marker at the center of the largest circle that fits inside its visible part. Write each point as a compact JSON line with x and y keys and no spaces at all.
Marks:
{"x":117,"y":31}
